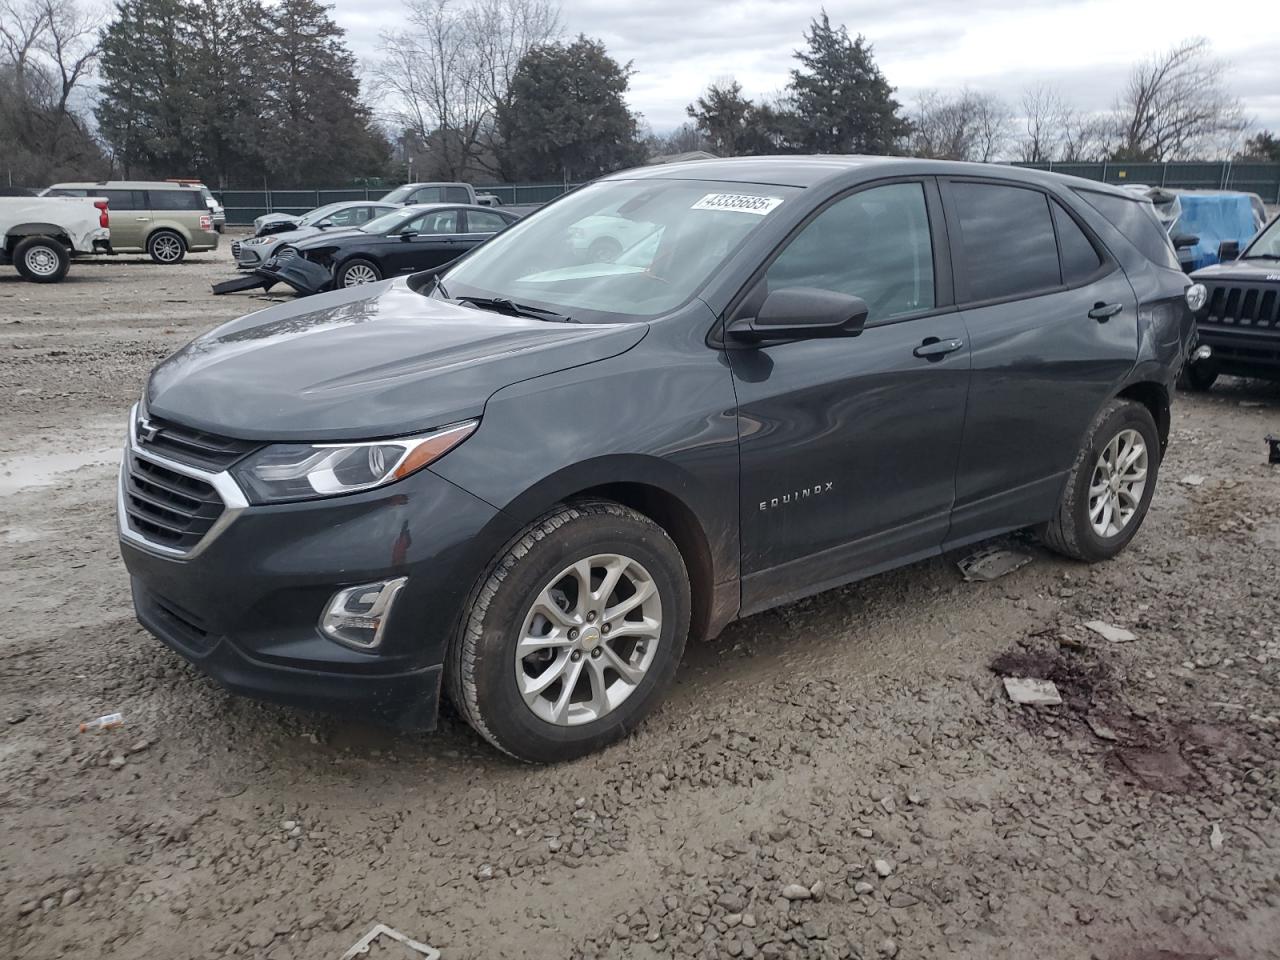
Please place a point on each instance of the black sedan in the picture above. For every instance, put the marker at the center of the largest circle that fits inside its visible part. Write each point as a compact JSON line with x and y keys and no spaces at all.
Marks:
{"x":405,"y":240}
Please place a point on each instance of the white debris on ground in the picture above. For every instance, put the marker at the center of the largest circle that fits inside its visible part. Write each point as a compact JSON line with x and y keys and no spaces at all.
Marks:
{"x":1031,"y":692}
{"x":1109,"y":631}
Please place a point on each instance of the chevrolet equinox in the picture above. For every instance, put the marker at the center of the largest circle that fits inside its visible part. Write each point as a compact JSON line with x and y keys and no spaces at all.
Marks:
{"x":527,"y":477}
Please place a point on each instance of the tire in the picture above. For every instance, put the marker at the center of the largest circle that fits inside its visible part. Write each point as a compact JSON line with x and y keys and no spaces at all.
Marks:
{"x":41,"y":259}
{"x":604,"y":250}
{"x":485,"y":676}
{"x":1198,"y":377}
{"x":166,"y":247}
{"x":358,"y":271}
{"x":1072,"y":531}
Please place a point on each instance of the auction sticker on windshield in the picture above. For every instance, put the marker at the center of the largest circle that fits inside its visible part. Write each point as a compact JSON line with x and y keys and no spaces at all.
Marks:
{"x":738,"y":203}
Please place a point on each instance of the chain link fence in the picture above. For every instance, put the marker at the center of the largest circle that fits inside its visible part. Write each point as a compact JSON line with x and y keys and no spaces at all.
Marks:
{"x":243,"y":206}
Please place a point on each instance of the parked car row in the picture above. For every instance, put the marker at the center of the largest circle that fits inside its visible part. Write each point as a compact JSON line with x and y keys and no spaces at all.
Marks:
{"x":402,"y":240}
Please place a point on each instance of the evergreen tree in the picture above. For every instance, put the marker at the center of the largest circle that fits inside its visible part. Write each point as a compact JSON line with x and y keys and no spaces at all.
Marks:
{"x":146,"y":106}
{"x":565,"y":116}
{"x":840,"y":99}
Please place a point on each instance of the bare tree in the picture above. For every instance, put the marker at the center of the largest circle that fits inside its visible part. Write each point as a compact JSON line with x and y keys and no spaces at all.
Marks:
{"x":47,"y":51}
{"x":1044,"y":122}
{"x":1177,"y":106}
{"x":447,"y":71}
{"x":968,"y":126}
{"x":1087,"y":137}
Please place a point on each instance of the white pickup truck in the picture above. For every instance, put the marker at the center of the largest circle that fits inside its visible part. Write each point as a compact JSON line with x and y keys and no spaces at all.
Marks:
{"x":40,"y":235}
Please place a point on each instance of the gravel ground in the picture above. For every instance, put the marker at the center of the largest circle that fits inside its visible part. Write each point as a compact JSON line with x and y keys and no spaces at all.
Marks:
{"x":842,"y":777}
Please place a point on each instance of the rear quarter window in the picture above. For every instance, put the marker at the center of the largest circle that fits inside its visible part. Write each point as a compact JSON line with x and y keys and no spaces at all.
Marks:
{"x":456,"y":195}
{"x":177,"y":200}
{"x":1136,"y":219}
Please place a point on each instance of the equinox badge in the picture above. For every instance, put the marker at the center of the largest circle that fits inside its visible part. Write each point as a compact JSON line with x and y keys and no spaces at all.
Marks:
{"x":804,"y":493}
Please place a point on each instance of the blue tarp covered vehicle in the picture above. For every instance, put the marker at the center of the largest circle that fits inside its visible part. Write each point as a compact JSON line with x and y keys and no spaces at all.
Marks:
{"x":1210,"y":215}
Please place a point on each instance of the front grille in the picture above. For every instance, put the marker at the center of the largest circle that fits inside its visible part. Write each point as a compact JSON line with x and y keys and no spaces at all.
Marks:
{"x":208,"y":451}
{"x":1249,"y":306}
{"x":166,"y":507}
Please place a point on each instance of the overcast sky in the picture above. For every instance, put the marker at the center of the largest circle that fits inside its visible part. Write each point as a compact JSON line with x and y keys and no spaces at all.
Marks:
{"x":1084,"y":47}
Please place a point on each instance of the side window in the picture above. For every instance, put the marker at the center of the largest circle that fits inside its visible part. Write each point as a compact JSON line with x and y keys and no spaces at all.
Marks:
{"x":344,"y":218}
{"x":363,"y":215}
{"x":1007,"y":243}
{"x":426,"y":195}
{"x":874,"y":244}
{"x":176,"y":200}
{"x":1136,"y":219}
{"x":1080,"y":259}
{"x":67,"y":192}
{"x":481,"y":221}
{"x":124,"y":199}
{"x":456,"y":195}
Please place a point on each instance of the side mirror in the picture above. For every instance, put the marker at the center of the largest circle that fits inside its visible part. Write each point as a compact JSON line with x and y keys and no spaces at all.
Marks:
{"x":1229,"y":250}
{"x":1183,"y":240}
{"x":325,"y":224}
{"x":802,"y":313}
{"x":409,"y":235}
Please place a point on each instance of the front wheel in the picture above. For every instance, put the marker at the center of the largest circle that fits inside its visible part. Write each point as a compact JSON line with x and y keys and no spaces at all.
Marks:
{"x":356,"y":272}
{"x":41,"y":260}
{"x":1110,"y":485}
{"x":575,"y":634}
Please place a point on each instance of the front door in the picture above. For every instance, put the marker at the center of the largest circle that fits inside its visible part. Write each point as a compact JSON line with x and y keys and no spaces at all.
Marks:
{"x":427,"y":241}
{"x":1053,"y":327}
{"x":849,"y":445}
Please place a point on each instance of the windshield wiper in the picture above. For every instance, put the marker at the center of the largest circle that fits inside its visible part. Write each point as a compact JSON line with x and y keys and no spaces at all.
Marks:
{"x":513,"y":309}
{"x":1262,"y":256}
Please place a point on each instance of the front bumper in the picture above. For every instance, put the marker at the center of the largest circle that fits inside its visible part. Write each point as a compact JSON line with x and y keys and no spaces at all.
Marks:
{"x":244,"y":604}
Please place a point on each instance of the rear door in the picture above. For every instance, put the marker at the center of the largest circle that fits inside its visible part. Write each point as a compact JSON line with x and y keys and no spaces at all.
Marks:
{"x":848,"y":445}
{"x":479,"y":226}
{"x":1052,"y":323}
{"x":129,"y":218}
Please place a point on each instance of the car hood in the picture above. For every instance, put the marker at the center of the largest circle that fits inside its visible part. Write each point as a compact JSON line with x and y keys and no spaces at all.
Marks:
{"x":1247,"y":271}
{"x":363,"y":363}
{"x":269,"y":218}
{"x":291,"y":236}
{"x":324,"y":238}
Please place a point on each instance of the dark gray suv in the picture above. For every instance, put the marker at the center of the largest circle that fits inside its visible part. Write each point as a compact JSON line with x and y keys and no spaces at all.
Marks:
{"x":526,"y":478}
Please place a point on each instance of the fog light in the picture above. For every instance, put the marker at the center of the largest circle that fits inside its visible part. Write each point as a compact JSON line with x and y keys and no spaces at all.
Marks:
{"x":357,"y":616}
{"x":1197,"y":296}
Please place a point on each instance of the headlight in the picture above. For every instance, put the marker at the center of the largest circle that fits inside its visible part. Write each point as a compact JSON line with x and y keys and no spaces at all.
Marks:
{"x":305,"y":471}
{"x":1197,"y":296}
{"x":267,"y":239}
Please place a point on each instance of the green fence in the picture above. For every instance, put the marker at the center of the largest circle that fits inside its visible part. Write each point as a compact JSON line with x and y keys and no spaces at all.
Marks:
{"x":243,"y":206}
{"x":1260,"y":178}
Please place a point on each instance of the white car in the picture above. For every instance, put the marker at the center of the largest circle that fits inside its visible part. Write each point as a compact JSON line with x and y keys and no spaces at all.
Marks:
{"x":39,"y":235}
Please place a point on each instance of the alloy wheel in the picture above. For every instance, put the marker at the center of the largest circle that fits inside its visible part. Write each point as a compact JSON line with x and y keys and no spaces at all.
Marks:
{"x":588,"y":639}
{"x":167,"y":249}
{"x":357,"y":274}
{"x":41,"y":261}
{"x":1118,"y":481}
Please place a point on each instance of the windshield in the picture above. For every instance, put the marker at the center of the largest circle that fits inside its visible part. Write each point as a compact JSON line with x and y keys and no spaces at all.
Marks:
{"x":618,"y":249}
{"x":387,"y":221}
{"x":1267,"y":245}
{"x":318,"y":214}
{"x":399,"y":194}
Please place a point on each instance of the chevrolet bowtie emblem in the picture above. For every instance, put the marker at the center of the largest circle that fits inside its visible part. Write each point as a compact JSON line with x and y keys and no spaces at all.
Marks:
{"x":147,"y":431}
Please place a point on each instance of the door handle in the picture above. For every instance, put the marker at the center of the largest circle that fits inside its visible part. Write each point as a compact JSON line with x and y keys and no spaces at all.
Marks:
{"x":934,"y":349}
{"x":1102,"y":312}
{"x":142,"y":219}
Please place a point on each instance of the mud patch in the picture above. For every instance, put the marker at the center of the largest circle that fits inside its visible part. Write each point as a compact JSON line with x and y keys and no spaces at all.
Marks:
{"x":1080,"y":675}
{"x":1163,"y":771}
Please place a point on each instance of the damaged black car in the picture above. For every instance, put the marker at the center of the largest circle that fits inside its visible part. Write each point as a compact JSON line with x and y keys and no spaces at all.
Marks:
{"x":406,"y":240}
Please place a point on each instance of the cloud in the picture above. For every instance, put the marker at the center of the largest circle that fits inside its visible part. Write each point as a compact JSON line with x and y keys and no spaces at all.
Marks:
{"x":1084,"y":47}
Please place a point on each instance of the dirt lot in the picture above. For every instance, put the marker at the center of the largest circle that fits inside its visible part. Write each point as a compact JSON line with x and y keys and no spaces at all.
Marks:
{"x":843,"y":777}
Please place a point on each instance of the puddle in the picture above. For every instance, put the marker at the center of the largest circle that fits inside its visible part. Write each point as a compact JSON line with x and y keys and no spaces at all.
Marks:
{"x":26,"y":473}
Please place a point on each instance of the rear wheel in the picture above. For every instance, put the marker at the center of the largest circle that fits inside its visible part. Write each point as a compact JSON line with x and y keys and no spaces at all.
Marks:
{"x":41,"y":259}
{"x":574,"y":636}
{"x":165,"y":246}
{"x":1110,"y":485}
{"x":358,"y":271}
